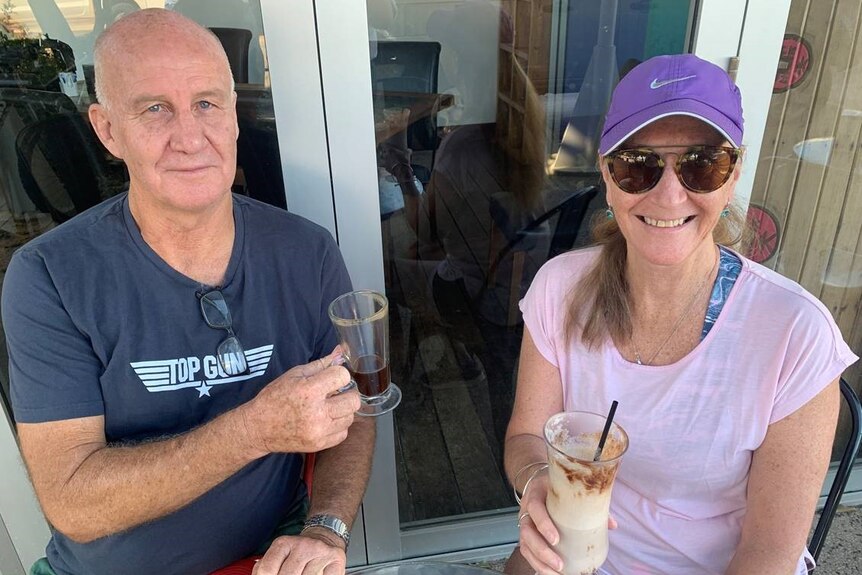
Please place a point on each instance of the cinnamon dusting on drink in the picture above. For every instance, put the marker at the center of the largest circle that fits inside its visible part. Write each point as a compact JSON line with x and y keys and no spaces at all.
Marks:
{"x":592,"y":477}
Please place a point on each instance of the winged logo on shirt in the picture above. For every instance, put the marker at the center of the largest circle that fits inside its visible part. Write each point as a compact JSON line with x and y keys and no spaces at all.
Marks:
{"x":201,"y":374}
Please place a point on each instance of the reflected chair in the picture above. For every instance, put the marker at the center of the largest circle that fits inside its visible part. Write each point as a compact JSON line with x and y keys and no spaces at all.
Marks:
{"x":842,"y":475}
{"x":506,"y":222}
{"x":235,"y":42}
{"x":90,"y":81}
{"x":19,"y":108}
{"x":409,"y":67}
{"x":258,"y":155}
{"x":34,"y":105}
{"x":63,"y":168}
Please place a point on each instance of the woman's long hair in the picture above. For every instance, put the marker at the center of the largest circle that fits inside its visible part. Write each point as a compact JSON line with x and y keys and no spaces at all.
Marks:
{"x":599,"y":305}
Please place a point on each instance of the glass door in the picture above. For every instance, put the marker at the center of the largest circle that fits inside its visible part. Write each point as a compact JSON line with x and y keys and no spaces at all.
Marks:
{"x":46,"y":80}
{"x":485,"y":117}
{"x":446,"y":144}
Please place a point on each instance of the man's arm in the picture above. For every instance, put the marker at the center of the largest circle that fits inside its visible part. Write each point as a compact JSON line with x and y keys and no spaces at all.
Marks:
{"x":340,"y":477}
{"x":88,"y":489}
{"x":787,"y":472}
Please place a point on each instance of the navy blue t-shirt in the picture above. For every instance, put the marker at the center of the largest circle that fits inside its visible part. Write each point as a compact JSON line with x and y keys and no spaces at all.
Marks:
{"x":98,"y":324}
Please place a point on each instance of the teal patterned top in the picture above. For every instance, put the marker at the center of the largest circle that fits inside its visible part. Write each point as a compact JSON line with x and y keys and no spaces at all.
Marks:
{"x":729,"y":266}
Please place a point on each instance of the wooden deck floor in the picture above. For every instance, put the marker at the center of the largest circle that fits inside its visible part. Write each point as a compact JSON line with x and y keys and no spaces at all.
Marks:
{"x":455,"y":357}
{"x":457,"y":401}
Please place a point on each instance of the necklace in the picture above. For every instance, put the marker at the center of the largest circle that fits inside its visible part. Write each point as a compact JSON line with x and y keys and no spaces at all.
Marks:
{"x":684,"y":314}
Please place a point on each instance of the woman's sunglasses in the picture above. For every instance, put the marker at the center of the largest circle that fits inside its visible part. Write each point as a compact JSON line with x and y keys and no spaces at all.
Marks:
{"x":701,"y":169}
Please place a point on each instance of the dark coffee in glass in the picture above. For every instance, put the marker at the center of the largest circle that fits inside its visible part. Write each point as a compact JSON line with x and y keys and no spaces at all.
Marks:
{"x":371,"y":374}
{"x":361,"y":319}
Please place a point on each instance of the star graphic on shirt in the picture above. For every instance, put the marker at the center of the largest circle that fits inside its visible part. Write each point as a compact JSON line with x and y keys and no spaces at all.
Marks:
{"x":204,"y":389}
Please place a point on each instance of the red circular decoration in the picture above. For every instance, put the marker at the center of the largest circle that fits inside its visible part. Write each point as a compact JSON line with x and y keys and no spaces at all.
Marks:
{"x":765,"y":230}
{"x":793,"y":64}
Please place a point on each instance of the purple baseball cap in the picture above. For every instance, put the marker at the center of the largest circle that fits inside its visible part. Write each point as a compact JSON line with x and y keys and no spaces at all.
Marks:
{"x":682,"y":84}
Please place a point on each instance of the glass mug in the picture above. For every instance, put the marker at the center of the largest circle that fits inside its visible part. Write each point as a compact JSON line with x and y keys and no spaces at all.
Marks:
{"x":361,"y":319}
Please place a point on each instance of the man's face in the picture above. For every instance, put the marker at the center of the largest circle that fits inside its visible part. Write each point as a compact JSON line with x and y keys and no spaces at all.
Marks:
{"x":172,"y":119}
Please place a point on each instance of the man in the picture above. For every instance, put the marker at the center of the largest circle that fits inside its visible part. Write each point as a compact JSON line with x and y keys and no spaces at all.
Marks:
{"x":160,"y":342}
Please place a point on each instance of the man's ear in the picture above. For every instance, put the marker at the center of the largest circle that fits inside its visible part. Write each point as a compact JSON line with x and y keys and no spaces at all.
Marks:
{"x":102,"y":124}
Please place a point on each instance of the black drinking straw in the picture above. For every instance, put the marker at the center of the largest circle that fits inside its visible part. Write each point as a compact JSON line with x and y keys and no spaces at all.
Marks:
{"x":605,"y":431}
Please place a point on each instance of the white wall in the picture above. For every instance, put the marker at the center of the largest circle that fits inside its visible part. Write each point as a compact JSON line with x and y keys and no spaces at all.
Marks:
{"x":751,"y":31}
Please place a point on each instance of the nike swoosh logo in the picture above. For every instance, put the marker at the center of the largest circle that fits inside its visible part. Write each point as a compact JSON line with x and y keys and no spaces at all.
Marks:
{"x":659,"y":83}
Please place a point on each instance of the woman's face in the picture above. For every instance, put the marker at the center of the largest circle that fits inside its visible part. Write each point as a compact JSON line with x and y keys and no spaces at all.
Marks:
{"x":669,"y":223}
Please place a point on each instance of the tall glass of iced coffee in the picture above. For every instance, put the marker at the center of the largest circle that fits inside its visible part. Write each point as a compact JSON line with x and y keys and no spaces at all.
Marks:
{"x":579,"y":490}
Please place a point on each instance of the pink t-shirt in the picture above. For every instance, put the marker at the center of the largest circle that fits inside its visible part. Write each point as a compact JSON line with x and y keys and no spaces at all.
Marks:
{"x":681,"y":490}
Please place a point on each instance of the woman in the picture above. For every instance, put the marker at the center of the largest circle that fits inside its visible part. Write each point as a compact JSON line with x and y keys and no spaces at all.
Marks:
{"x":726,"y":372}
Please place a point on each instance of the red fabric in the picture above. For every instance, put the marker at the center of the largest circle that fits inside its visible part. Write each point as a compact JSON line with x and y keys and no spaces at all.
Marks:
{"x":241,"y":567}
{"x":308,"y":471}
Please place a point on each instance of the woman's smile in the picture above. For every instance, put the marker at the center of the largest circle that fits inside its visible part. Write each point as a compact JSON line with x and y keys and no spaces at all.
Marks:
{"x":665,"y":223}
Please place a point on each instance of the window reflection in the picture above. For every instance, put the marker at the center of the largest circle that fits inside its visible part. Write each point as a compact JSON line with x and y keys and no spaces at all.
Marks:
{"x":486,"y":117}
{"x":52,"y":166}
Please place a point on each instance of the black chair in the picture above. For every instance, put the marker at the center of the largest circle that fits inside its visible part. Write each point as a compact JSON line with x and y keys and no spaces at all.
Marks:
{"x":522,"y":238}
{"x":258,"y":154}
{"x":409,"y":67}
{"x":63,"y":168}
{"x":845,"y":467}
{"x":34,"y":105}
{"x":235,"y":42}
{"x":32,"y":110}
{"x":90,"y":81}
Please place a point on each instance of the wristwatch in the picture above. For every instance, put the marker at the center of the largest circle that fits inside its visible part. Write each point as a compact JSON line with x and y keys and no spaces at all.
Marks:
{"x":332,"y":523}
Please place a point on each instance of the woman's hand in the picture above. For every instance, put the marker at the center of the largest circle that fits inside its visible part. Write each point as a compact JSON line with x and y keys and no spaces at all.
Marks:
{"x":537,"y":532}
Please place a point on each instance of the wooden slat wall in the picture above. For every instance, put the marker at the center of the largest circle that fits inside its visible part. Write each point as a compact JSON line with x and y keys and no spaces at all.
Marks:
{"x":819,"y":208}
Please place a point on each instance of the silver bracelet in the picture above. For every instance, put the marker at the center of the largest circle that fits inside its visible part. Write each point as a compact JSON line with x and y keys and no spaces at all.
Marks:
{"x":518,"y":475}
{"x":542,"y":467}
{"x":330,"y":523}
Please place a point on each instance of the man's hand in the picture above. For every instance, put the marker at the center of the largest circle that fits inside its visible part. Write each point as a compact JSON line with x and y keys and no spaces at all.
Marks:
{"x":314,"y":552}
{"x":301,"y":411}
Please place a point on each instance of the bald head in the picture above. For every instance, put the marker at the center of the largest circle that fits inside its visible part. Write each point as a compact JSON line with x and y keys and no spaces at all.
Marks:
{"x":132,"y":37}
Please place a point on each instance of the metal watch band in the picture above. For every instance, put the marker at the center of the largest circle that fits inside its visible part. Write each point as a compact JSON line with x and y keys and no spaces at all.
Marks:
{"x":330,"y":522}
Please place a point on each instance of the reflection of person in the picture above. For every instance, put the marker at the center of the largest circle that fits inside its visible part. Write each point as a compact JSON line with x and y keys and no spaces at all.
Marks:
{"x":484,"y":190}
{"x":149,"y":451}
{"x":393,"y":153}
{"x":729,"y":394}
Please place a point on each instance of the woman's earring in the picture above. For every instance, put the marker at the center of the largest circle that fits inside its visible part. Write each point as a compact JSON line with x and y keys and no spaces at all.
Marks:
{"x":609,"y":213}
{"x":725,"y":212}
